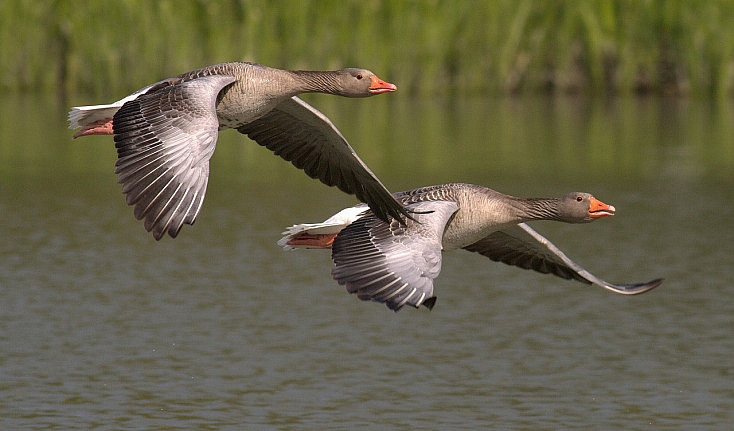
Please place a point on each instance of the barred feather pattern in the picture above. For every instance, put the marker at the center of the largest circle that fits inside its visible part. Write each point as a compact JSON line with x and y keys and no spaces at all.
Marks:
{"x":164,"y":141}
{"x":391,"y":263}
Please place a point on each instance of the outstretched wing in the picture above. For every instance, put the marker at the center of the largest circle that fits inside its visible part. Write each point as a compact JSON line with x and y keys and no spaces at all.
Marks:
{"x":302,"y":135}
{"x":164,"y":141}
{"x":522,"y":246}
{"x":390,"y":263}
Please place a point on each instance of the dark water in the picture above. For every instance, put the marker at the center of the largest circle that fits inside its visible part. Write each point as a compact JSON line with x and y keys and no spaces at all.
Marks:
{"x":103,"y":327}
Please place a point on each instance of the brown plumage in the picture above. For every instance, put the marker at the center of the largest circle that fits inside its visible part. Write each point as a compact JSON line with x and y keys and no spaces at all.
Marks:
{"x":166,"y":133}
{"x":396,"y":265}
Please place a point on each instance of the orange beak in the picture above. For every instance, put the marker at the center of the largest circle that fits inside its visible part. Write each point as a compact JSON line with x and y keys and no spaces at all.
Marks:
{"x":379,"y":86}
{"x":598,"y":208}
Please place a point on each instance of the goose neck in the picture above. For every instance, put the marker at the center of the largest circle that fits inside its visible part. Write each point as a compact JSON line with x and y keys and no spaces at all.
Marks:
{"x":317,"y":81}
{"x":539,"y":209}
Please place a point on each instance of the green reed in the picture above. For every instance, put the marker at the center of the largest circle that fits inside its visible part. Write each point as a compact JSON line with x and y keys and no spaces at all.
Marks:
{"x":427,"y":47}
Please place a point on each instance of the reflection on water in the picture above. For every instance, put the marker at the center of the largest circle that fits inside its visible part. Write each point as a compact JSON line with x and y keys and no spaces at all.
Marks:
{"x":104,"y":327}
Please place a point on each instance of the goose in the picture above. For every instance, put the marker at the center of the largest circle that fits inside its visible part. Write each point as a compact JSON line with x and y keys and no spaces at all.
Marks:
{"x":395,"y":265}
{"x":165,"y":134}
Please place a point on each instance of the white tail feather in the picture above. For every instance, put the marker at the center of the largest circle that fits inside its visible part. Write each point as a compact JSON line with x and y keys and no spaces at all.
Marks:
{"x":80,"y":116}
{"x":332,"y":225}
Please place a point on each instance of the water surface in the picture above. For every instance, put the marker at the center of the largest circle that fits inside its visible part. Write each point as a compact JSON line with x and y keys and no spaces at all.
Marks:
{"x":103,"y":327}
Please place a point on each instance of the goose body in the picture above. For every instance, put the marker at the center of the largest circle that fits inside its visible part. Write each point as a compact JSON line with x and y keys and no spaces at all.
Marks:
{"x":165,"y":134}
{"x":396,"y":265}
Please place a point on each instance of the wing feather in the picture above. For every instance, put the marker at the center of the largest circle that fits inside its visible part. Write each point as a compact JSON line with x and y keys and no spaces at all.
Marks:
{"x":164,"y":141}
{"x":300,"y":134}
{"x":523,"y":247}
{"x":390,"y":263}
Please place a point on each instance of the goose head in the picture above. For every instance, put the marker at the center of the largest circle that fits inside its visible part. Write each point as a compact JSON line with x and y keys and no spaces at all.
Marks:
{"x":362,"y":83}
{"x":579,"y":207}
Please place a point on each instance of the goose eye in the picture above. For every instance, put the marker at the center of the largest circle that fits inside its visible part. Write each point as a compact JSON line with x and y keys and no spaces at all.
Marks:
{"x":579,"y":198}
{"x":359,"y":76}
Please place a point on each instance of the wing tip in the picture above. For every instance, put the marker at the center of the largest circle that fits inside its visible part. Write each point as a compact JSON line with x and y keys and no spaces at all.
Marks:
{"x":653,"y":284}
{"x":430,"y":302}
{"x":636,"y":289}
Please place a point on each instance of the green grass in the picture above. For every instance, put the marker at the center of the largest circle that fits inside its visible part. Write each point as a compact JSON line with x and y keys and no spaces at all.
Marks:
{"x":427,"y":47}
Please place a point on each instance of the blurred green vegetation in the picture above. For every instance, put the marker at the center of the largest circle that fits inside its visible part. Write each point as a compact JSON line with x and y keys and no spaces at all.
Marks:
{"x":426,"y":47}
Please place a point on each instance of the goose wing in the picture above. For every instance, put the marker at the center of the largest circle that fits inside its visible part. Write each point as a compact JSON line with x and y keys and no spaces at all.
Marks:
{"x":522,"y":246}
{"x":164,"y":141}
{"x":302,"y":135}
{"x":391,"y":263}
